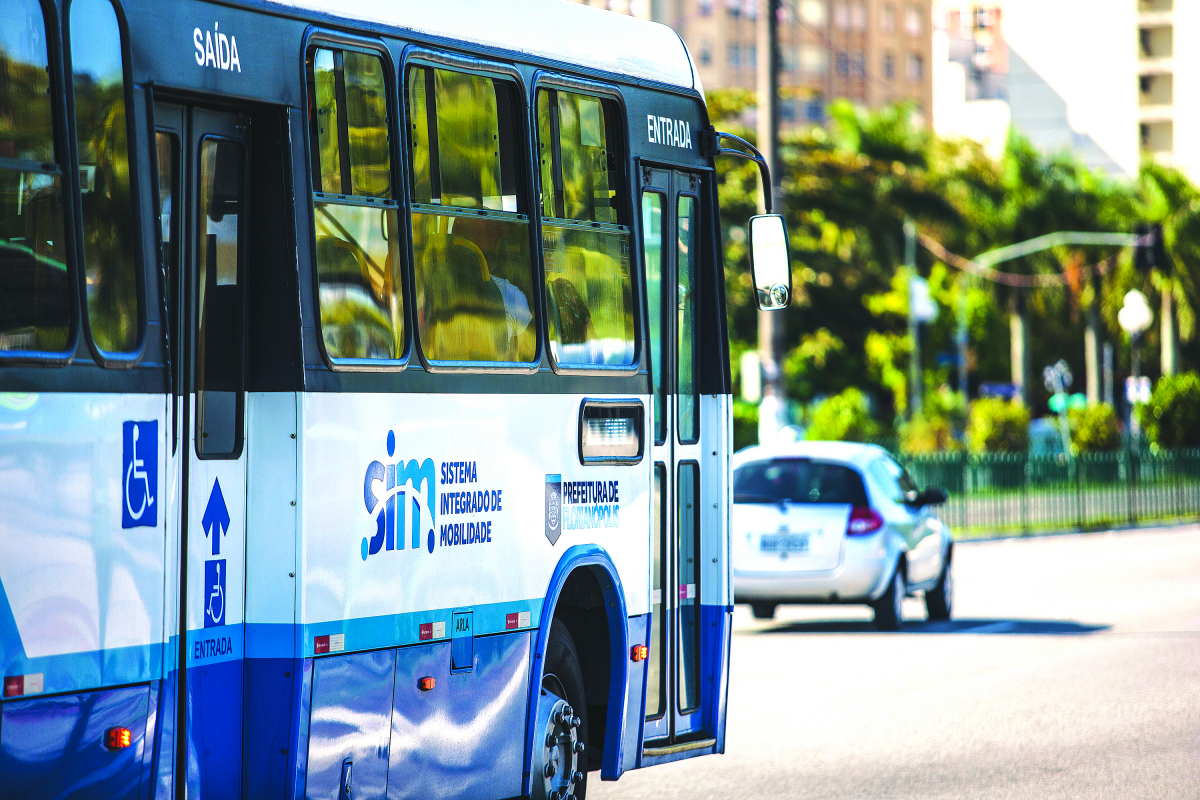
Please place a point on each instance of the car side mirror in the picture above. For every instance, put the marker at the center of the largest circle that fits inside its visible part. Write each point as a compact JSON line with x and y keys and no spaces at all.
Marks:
{"x":927,"y":497}
{"x":933,"y":496}
{"x":770,"y":266}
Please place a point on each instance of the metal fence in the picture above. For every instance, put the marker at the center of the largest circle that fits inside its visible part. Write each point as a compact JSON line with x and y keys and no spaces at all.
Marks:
{"x":1019,"y":493}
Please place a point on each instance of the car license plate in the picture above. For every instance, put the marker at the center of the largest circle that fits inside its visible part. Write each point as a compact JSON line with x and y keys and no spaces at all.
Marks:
{"x":784,"y":543}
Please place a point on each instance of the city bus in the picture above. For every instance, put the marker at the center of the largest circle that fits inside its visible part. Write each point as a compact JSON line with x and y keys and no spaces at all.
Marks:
{"x":365,"y":414}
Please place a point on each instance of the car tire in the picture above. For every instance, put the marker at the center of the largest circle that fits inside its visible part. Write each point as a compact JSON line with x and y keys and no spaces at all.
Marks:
{"x":763,"y":610}
{"x":564,"y":677}
{"x":939,"y":601}
{"x":888,"y":608}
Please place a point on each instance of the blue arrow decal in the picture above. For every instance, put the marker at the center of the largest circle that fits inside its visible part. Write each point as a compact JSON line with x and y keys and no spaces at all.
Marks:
{"x":216,"y":517}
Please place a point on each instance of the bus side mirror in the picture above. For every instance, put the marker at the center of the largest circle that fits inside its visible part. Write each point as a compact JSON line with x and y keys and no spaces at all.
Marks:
{"x":769,"y":263}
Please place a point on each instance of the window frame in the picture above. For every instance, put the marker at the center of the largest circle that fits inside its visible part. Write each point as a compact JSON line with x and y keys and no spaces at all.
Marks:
{"x":62,"y":114}
{"x":327,"y":39}
{"x":103,"y":358}
{"x":553,"y":81}
{"x":418,"y":56}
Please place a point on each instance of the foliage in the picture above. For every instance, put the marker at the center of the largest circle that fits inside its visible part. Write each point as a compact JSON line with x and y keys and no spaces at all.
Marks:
{"x":995,"y":425}
{"x":745,"y":424}
{"x":843,"y":417}
{"x":847,"y":190}
{"x":1094,"y":429}
{"x":1172,"y":417}
{"x":938,"y":427}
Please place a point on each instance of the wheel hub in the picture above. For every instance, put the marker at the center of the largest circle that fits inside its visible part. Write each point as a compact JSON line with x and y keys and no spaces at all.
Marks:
{"x":559,"y":769}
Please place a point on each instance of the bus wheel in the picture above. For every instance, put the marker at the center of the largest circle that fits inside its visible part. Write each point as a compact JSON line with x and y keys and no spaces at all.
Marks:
{"x":560,"y":748}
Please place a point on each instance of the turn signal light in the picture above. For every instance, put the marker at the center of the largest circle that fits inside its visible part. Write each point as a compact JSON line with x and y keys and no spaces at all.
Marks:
{"x":639,"y":652}
{"x":117,"y":738}
{"x":426,"y":683}
{"x":862,"y":521}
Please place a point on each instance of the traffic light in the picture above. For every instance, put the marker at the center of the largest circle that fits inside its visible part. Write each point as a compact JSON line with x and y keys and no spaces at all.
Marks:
{"x":1150,"y":254}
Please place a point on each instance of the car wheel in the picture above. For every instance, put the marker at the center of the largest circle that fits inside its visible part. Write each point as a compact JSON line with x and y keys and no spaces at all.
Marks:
{"x":763,"y":610}
{"x":889,"y":607}
{"x":939,"y":601}
{"x":563,"y":730}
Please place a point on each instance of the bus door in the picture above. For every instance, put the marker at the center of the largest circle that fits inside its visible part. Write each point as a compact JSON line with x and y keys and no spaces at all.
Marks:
{"x":202,"y":181}
{"x":670,"y":205}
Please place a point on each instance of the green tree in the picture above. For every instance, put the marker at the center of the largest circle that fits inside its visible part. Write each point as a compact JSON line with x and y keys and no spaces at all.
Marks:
{"x":1172,"y":417}
{"x":996,"y":425}
{"x":844,"y":417}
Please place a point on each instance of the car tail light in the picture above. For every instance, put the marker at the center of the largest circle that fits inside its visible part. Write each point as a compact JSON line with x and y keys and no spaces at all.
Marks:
{"x":862,"y":521}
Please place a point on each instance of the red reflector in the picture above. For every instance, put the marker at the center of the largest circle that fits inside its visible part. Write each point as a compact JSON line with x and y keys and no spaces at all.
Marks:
{"x":426,"y":683}
{"x":639,"y":652}
{"x":863,"y":520}
{"x":116,"y":738}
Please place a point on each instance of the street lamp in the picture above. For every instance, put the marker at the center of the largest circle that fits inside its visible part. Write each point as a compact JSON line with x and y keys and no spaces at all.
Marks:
{"x":1134,"y":318}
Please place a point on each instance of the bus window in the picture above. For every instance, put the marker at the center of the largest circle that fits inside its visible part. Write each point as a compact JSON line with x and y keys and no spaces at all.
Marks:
{"x":685,"y":352}
{"x":589,"y":289}
{"x":35,"y":309}
{"x":652,"y":252}
{"x":356,"y":221}
{"x":103,"y":142}
{"x":474,"y":275}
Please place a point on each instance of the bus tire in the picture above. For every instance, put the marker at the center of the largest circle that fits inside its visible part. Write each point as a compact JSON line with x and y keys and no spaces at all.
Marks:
{"x":564,"y":677}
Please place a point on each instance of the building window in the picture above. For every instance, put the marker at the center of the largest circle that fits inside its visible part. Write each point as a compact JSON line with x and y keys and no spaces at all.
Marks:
{"x":787,"y":110}
{"x":912,"y":21}
{"x":813,"y":59}
{"x":704,"y":8}
{"x":734,"y":8}
{"x":858,"y":16}
{"x":749,"y":56}
{"x":814,"y":109}
{"x":812,"y":12}
{"x":788,"y":61}
{"x":706,"y":53}
{"x":887,"y":19}
{"x":916,"y":68}
{"x":841,"y":15}
{"x":889,"y":66}
{"x":843,"y":65}
{"x":858,"y":65}
{"x":735,"y":55}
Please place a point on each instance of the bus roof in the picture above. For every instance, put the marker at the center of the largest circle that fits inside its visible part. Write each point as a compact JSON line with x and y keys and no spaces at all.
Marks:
{"x":551,"y":29}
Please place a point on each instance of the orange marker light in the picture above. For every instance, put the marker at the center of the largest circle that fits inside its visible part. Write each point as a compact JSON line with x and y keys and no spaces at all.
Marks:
{"x":426,"y":683}
{"x":639,"y":652}
{"x":117,"y":738}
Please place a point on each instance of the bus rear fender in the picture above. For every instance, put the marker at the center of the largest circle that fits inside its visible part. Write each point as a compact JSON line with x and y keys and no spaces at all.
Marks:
{"x":586,"y":594}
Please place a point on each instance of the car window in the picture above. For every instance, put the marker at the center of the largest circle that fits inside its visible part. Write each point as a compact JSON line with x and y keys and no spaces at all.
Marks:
{"x":893,"y":479}
{"x":797,"y":480}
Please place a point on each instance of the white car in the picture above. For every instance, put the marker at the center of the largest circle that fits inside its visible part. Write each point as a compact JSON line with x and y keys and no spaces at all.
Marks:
{"x":836,"y":522}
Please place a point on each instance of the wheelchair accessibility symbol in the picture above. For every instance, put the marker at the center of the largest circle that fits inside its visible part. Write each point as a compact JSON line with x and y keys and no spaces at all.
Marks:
{"x":139,"y":474}
{"x":214,"y":593}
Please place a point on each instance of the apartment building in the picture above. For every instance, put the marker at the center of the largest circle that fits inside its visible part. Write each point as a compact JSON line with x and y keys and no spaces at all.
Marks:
{"x":1168,"y":71}
{"x":874,"y":52}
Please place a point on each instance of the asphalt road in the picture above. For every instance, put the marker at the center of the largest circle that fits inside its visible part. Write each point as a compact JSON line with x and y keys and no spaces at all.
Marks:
{"x":1071,"y":670}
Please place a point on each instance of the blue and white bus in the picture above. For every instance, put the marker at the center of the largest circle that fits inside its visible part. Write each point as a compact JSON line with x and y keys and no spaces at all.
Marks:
{"x":364,"y":399}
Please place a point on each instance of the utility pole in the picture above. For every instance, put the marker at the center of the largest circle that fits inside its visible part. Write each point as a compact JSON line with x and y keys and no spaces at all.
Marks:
{"x":914,"y":322}
{"x":772,"y":411}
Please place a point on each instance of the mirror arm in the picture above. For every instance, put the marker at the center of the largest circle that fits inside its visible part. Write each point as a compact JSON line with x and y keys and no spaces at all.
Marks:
{"x":710,"y":142}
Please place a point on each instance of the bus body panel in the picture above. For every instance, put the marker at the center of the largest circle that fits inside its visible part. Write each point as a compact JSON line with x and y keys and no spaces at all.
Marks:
{"x":475,"y":470}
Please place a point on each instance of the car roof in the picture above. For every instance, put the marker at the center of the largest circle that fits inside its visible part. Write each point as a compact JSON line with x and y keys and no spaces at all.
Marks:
{"x":550,"y":29}
{"x":854,"y":453}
